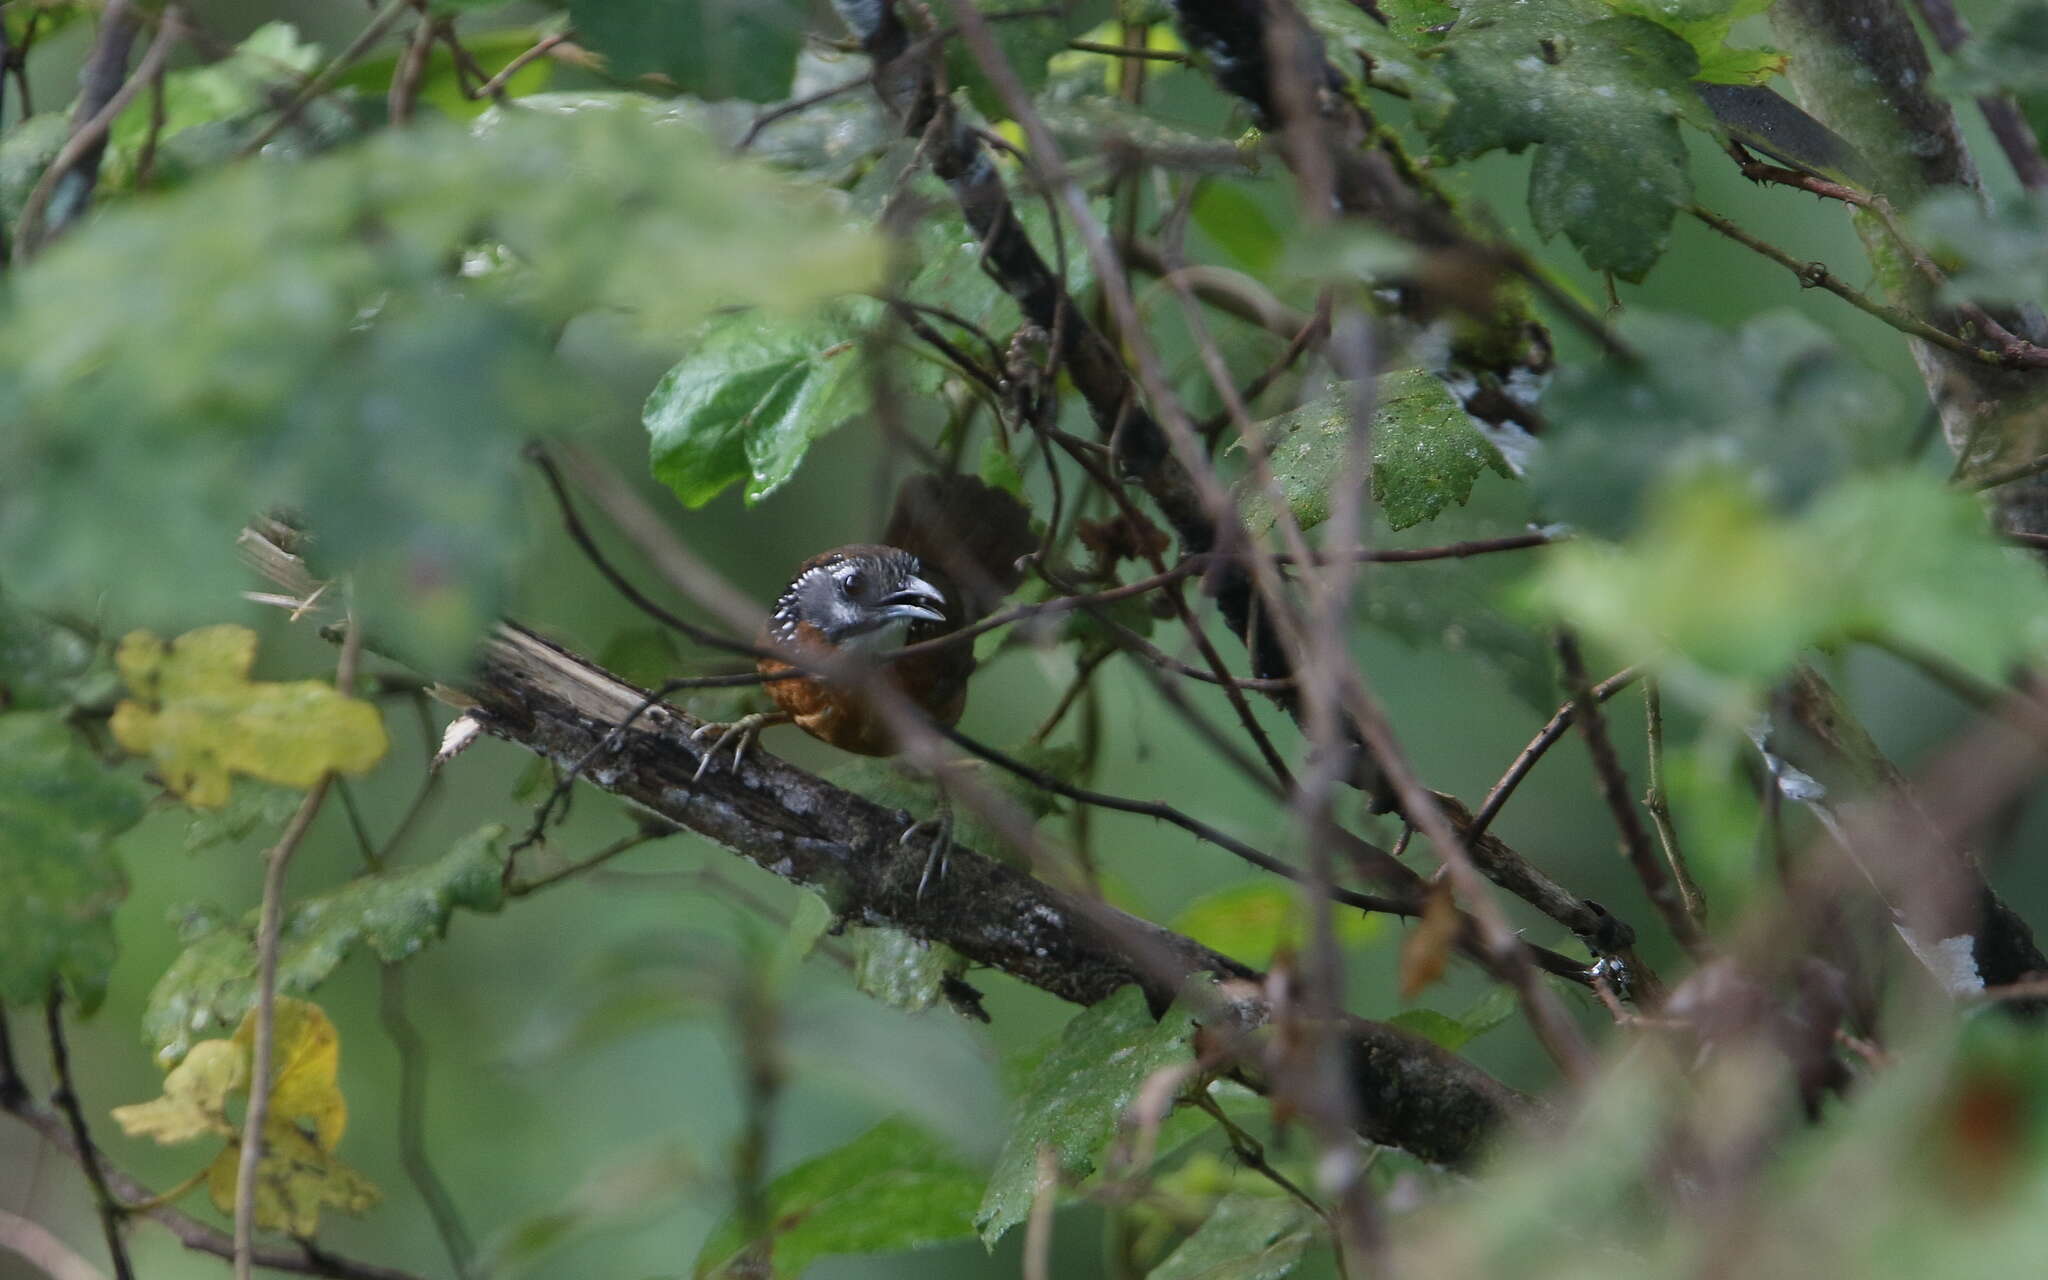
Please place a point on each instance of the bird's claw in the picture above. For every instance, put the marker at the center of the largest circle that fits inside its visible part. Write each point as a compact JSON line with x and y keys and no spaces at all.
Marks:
{"x":741,"y":733}
{"x":938,"y":858}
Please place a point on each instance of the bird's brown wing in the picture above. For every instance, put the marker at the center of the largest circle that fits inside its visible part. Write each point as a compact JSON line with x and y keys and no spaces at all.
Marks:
{"x":969,"y":531}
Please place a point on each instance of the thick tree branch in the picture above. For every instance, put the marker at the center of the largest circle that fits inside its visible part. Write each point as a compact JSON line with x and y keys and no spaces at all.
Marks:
{"x":803,"y":829}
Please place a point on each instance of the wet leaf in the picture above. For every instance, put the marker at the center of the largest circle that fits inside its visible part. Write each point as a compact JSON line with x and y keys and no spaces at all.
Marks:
{"x":1247,"y":1236}
{"x":1426,"y":453}
{"x":1599,"y":95}
{"x":1076,"y":1096}
{"x":891,"y":1189}
{"x":60,"y":810}
{"x":212,"y":983}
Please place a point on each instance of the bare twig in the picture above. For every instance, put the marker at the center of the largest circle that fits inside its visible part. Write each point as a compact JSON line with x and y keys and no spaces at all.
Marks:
{"x":81,"y":152}
{"x":495,"y":86}
{"x":41,"y":1249}
{"x":1813,"y":275}
{"x":412,"y":1122}
{"x":324,"y":79}
{"x":2003,"y":116}
{"x":297,"y":1257}
{"x":1657,"y":804}
{"x":66,"y":1098}
{"x":270,"y":922}
{"x":1635,"y":841}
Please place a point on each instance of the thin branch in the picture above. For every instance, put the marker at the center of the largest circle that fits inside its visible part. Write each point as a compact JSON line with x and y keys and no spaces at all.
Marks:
{"x":495,"y":86}
{"x":2005,"y":475}
{"x":521,"y":888}
{"x":1125,"y":51}
{"x":412,"y":1122}
{"x":1545,"y":739}
{"x":43,"y":1250}
{"x":324,"y":79}
{"x":411,"y":68}
{"x":2007,"y":123}
{"x":1657,"y":804}
{"x":81,"y":152}
{"x":269,"y":924}
{"x":1813,"y":275}
{"x":784,"y":110}
{"x":1614,"y":789}
{"x":66,"y":1098}
{"x":297,"y":1257}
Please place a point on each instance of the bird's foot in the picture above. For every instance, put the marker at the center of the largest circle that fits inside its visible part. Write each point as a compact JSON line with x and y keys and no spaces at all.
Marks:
{"x":741,"y":733}
{"x":939,"y":853}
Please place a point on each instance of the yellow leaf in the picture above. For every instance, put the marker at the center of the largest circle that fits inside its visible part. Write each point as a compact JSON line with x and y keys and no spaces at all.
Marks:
{"x":195,"y":1097}
{"x":305,"y":1057}
{"x":295,"y":1180}
{"x":196,"y":713}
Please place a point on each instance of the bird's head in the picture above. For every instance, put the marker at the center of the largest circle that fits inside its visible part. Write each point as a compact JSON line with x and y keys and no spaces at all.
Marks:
{"x":865,"y":598}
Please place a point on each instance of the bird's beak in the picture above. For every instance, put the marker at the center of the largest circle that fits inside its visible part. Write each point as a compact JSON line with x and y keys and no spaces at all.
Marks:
{"x":918,"y":600}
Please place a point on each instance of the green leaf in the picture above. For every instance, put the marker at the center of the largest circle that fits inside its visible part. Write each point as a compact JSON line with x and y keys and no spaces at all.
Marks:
{"x":60,"y":809}
{"x":1705,"y":24}
{"x":1426,"y":452}
{"x":1776,"y":400}
{"x":255,"y":807}
{"x":752,"y":395}
{"x":212,"y":983}
{"x":1028,"y":42}
{"x":47,"y":664}
{"x":890,"y":1190}
{"x":1391,"y":55}
{"x":270,"y":61}
{"x":342,"y":365}
{"x":1239,"y":224}
{"x":26,"y":150}
{"x":1454,"y":1033}
{"x":1999,"y":249}
{"x":902,"y":971}
{"x":1076,"y":1096}
{"x":1251,"y":922}
{"x":715,"y":50}
{"x":1247,"y":1236}
{"x":1599,"y":95}
{"x":1724,"y":595}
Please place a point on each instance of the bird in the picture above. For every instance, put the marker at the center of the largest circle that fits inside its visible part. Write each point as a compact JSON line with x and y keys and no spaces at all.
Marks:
{"x":951,"y":551}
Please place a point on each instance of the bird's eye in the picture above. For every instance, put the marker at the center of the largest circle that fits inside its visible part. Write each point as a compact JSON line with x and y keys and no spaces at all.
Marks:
{"x":853,"y":582}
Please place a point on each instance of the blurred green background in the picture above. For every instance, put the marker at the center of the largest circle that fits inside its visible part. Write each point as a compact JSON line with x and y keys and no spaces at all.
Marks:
{"x":529,"y":1112}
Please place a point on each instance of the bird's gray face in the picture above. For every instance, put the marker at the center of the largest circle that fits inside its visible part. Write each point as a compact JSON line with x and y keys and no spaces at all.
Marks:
{"x":866,"y":601}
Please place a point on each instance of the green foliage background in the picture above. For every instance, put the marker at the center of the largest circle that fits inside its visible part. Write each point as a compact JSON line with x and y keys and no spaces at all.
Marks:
{"x":563,"y":1077}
